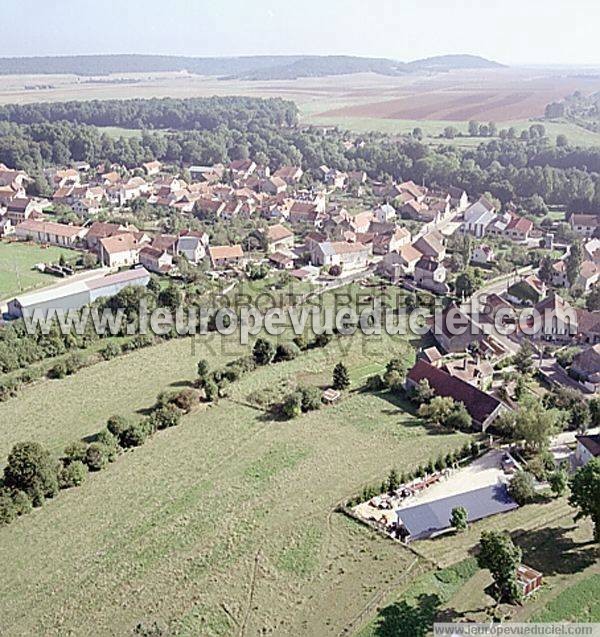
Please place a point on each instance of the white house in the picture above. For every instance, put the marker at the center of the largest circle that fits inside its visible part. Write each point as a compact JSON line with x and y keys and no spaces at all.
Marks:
{"x":431,"y":275}
{"x":342,"y":253}
{"x":48,"y":232}
{"x":483,"y":254}
{"x":120,"y":250}
{"x":478,"y":217}
{"x":385,"y":213}
{"x":192,"y":246}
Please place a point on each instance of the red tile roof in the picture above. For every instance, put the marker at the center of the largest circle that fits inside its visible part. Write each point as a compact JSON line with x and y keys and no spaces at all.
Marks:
{"x":479,"y":404}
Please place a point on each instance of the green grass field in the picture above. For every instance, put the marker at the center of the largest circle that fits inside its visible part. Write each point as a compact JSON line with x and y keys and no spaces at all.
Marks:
{"x":433,"y":129}
{"x":578,"y":603}
{"x":224,"y":525}
{"x":16,"y":266}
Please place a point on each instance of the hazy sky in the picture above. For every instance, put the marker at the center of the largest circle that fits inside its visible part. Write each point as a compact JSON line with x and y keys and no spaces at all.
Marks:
{"x":509,"y":31}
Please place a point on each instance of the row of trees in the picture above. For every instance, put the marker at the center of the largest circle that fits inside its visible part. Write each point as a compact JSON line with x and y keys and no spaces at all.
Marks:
{"x":32,"y":474}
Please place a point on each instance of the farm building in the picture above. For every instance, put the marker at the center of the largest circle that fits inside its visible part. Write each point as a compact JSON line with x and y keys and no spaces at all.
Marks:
{"x":529,"y":579}
{"x":482,"y":407}
{"x":75,"y":295}
{"x":425,"y":520}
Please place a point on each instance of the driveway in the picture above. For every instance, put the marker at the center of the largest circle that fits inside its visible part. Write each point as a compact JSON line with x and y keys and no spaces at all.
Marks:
{"x":483,"y":472}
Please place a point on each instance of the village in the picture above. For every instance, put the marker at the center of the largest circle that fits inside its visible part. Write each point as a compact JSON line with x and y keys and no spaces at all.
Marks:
{"x":431,"y":243}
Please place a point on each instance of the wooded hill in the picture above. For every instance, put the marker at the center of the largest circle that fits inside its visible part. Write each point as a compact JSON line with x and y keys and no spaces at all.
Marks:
{"x":267,"y":67}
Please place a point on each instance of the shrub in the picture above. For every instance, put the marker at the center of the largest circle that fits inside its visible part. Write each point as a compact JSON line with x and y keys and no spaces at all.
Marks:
{"x":8,"y":511}
{"x":301,"y":342}
{"x":292,"y":406}
{"x":244,"y":364}
{"x":31,"y":468}
{"x":341,"y":378}
{"x":286,"y":352}
{"x":136,"y":434}
{"x":117,"y":425}
{"x":8,"y":389}
{"x":374,"y":383}
{"x":459,"y":419}
{"x":263,"y":351}
{"x":310,"y":398}
{"x":30,"y":375}
{"x":74,"y":363}
{"x":202,"y":369}
{"x":558,"y":482}
{"x":522,"y":487}
{"x":141,"y":340}
{"x":22,"y":502}
{"x":72,"y":475}
{"x":211,"y":391}
{"x":96,"y":456}
{"x":58,"y":371}
{"x":459,"y":519}
{"x":393,"y":482}
{"x":165,"y":417}
{"x":322,"y":340}
{"x":75,"y":451}
{"x":110,"y":441}
{"x":110,"y":350}
{"x":185,"y":400}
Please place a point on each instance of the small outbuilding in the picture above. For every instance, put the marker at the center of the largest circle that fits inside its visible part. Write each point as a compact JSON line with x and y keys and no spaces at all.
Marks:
{"x":331,"y":396}
{"x":529,"y":579}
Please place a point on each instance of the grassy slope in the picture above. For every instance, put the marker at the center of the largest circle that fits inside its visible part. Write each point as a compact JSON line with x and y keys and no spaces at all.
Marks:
{"x":183,"y":529}
{"x":16,"y":263}
{"x":579,"y":603}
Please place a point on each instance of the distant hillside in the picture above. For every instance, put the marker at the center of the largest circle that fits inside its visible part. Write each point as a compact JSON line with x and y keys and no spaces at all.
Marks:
{"x":268,"y":67}
{"x":318,"y":66}
{"x":451,"y":62}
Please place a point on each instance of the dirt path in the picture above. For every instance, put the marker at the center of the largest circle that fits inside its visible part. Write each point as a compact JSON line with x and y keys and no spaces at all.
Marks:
{"x":251,"y":590}
{"x":376,"y":600}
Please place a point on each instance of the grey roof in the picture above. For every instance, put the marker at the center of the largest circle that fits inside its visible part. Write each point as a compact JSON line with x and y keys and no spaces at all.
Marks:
{"x":57,"y":292}
{"x":188,"y":242}
{"x":424,"y":520}
{"x":327,"y":248}
{"x":127,"y":276}
{"x":478,"y":213}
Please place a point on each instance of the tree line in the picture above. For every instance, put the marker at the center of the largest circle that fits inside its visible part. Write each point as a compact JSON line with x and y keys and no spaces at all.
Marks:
{"x":213,"y":130}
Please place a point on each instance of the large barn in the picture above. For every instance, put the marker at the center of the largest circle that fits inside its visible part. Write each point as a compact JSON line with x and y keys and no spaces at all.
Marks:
{"x":75,"y":295}
{"x":425,"y":520}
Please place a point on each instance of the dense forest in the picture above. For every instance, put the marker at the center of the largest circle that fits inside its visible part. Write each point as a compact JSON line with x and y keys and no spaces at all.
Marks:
{"x":262,"y":67}
{"x":206,"y":113}
{"x":220,"y":129}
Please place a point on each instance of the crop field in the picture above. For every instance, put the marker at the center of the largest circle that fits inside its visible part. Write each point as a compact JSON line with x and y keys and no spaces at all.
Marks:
{"x":361,"y":101}
{"x":17,"y":261}
{"x":224,"y":525}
